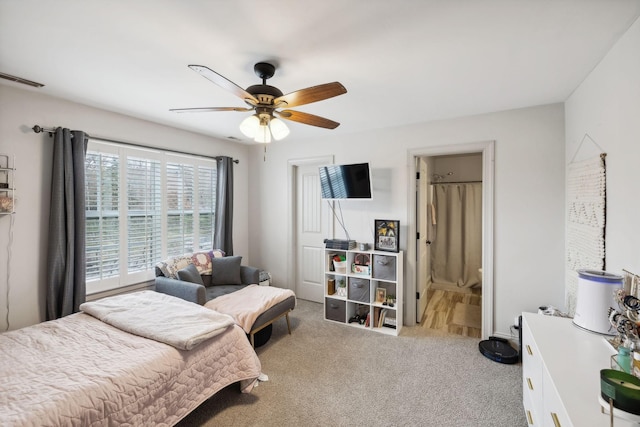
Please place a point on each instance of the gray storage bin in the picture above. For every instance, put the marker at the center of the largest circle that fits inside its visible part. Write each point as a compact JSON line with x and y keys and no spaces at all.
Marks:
{"x":358,"y":289}
{"x":384,"y":267}
{"x":335,"y":309}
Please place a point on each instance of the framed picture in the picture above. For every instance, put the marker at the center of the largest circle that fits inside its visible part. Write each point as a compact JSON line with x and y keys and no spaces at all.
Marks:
{"x":381,"y":295}
{"x":387,"y":237}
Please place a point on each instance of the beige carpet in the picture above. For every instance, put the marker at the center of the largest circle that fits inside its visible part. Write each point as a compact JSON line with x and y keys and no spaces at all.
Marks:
{"x":328,"y":374}
{"x":467,"y":315}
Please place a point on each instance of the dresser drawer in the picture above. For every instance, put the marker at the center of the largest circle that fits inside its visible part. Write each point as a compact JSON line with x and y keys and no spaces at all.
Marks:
{"x":529,"y":412}
{"x":553,"y":414}
{"x":531,"y":378}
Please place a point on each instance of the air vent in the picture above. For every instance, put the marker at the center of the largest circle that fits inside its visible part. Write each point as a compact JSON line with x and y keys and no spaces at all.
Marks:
{"x":20,"y":80}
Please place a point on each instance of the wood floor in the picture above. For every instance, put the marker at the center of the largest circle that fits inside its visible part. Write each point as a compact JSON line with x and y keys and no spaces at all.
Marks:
{"x":453,"y":313}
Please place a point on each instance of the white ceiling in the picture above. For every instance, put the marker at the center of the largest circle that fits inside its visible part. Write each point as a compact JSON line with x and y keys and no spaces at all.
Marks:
{"x":402,"y":62}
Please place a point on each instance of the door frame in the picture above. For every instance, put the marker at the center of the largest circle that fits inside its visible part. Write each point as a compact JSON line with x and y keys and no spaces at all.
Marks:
{"x":292,"y":167}
{"x":487,"y":148}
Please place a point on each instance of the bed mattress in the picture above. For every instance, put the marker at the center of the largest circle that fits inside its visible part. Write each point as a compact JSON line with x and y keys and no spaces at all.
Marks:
{"x":79,"y":371}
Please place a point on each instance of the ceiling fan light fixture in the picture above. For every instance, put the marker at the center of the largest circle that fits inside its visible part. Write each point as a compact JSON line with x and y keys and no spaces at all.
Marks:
{"x":263,"y":134}
{"x":265,"y":100}
{"x":279,"y":129}
{"x":249,"y":126}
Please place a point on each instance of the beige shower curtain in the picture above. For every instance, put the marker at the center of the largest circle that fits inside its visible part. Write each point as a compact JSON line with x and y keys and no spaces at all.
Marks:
{"x":456,"y":249}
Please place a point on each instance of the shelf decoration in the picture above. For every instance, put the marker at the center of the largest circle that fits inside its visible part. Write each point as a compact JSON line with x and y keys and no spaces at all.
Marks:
{"x":387,"y":235}
{"x":6,"y":204}
{"x":7,"y":186}
{"x":626,"y":319}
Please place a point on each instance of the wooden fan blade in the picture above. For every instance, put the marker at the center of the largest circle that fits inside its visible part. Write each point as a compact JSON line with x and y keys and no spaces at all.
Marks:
{"x":307,"y":119}
{"x":310,"y":94}
{"x":209,"y":109}
{"x":224,"y":83}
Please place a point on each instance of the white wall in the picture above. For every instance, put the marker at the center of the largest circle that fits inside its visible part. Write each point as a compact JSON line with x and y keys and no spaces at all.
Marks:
{"x":606,"y":106}
{"x":19,"y":111}
{"x":529,"y":196}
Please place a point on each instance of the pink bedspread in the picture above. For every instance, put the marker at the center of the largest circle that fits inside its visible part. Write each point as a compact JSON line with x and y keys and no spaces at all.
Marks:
{"x":248,"y":303}
{"x":79,"y":371}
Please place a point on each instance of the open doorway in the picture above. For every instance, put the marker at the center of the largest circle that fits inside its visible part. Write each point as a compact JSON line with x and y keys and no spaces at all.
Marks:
{"x":475,"y":277}
{"x":449,"y":211}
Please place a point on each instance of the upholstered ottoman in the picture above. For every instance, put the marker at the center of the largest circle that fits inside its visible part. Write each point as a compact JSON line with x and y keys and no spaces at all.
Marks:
{"x":255,"y":308}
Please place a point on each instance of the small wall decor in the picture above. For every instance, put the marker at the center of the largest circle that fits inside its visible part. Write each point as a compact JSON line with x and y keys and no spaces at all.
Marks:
{"x":387,"y":235}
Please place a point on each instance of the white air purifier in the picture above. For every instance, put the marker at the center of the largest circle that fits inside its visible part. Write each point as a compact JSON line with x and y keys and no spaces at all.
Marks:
{"x":596,"y":294}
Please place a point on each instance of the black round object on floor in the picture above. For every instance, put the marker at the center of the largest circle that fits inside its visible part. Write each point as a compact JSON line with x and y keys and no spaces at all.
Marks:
{"x":262,"y":336}
{"x":498,"y":350}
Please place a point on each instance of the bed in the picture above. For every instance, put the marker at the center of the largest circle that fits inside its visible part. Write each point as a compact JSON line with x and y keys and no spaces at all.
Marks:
{"x":82,"y":371}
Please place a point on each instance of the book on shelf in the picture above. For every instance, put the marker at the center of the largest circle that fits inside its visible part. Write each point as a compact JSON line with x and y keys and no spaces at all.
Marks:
{"x":383,"y":315}
{"x":340,"y":244}
{"x":376,"y":316}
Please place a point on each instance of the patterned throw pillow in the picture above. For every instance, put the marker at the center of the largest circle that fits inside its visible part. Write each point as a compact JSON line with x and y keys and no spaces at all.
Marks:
{"x":171,"y":266}
{"x":202,"y":261}
{"x":216,"y":253}
{"x":164,"y":267}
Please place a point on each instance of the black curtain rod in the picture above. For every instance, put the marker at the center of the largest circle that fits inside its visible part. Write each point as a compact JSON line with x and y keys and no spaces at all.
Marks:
{"x":51,"y":131}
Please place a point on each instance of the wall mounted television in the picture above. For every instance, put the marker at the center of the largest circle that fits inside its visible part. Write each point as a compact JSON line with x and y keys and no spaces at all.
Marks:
{"x":341,"y":182}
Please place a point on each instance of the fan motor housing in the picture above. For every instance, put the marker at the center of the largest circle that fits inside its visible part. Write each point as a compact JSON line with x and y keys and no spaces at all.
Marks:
{"x":265,"y":94}
{"x":257,"y":90}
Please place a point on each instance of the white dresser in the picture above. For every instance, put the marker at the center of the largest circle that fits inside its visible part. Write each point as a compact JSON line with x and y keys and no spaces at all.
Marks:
{"x":561,"y":366}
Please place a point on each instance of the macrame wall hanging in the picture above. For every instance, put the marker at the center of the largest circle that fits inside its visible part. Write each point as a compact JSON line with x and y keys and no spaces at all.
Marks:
{"x":586,"y":222}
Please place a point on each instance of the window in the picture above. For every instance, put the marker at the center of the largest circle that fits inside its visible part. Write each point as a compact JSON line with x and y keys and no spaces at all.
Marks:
{"x":142,"y":206}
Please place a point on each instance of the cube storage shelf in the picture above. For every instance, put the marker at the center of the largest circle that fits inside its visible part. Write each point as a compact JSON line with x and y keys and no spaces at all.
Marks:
{"x":351,"y":288}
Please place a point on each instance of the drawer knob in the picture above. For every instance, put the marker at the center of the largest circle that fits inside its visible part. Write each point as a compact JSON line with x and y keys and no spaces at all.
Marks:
{"x":529,"y":350}
{"x":556,"y":421}
{"x":529,"y":383}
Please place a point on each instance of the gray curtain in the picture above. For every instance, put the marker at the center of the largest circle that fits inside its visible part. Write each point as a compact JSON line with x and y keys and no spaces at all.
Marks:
{"x":456,"y":249}
{"x":66,"y":257}
{"x":223,"y":231}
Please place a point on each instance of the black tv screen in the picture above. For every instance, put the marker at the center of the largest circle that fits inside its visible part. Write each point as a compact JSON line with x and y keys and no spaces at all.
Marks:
{"x":345,"y":181}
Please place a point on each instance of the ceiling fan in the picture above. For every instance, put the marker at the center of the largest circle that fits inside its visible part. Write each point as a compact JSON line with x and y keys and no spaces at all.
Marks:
{"x":269,"y":103}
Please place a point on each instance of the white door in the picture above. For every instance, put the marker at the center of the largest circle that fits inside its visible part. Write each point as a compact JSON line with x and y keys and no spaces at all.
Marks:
{"x":312,"y":227}
{"x":422,"y":240}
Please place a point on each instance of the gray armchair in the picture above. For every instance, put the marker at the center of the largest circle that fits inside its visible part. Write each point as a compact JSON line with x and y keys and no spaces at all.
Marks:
{"x":203,"y":276}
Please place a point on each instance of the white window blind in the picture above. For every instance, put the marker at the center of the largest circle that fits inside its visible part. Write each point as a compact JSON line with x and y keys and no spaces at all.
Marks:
{"x":180,"y":225}
{"x":207,"y":178}
{"x":144,"y":214}
{"x":102,"y":172}
{"x":142,"y":206}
